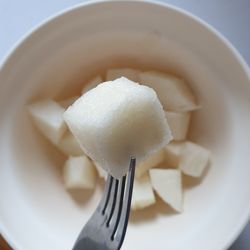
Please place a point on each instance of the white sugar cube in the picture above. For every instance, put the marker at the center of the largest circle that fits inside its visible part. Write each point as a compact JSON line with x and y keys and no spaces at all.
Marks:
{"x":143,"y":194}
{"x":178,"y":123}
{"x":79,"y":172}
{"x":152,"y":161}
{"x":116,"y":121}
{"x":69,"y":101}
{"x":172,"y":153}
{"x":193,"y":159}
{"x":92,"y":84}
{"x":131,"y":74}
{"x":69,"y":145}
{"x":174,"y":93}
{"x":47,"y":116}
{"x":167,"y":184}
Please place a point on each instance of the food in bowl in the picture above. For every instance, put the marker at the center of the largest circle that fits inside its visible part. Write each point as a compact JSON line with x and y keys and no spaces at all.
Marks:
{"x":116,"y":120}
{"x":78,"y":173}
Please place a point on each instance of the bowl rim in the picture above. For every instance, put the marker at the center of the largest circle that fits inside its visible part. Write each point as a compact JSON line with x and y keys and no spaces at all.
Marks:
{"x":242,"y":222}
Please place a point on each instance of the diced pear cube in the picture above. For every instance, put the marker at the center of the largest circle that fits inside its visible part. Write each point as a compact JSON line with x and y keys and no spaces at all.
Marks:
{"x":69,"y":101}
{"x":116,"y":121}
{"x":131,"y":74}
{"x":79,"y":172}
{"x":48,"y":117}
{"x":69,"y":145}
{"x":92,"y":84}
{"x":143,"y":194}
{"x":172,"y":153}
{"x":193,"y":159}
{"x":167,"y":184}
{"x":174,"y":93}
{"x":152,"y":161}
{"x":179,"y":124}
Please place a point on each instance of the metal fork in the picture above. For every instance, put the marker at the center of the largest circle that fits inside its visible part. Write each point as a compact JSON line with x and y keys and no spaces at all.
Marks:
{"x":106,"y":228}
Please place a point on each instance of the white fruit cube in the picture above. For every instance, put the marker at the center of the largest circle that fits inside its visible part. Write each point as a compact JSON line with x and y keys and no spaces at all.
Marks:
{"x":174,"y":93}
{"x":143,"y":194}
{"x":152,"y":161}
{"x":172,"y":153}
{"x":92,"y":84}
{"x":69,"y":101}
{"x":193,"y":159}
{"x":178,"y":123}
{"x":167,"y":184}
{"x":48,"y":117}
{"x":131,"y":74}
{"x":116,"y":121}
{"x":69,"y":145}
{"x":79,"y":172}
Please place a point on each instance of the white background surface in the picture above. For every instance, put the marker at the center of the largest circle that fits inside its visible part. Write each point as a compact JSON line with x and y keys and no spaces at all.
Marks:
{"x":230,"y":17}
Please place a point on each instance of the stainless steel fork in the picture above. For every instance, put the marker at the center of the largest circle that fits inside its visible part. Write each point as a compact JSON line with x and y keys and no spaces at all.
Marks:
{"x":106,"y":228}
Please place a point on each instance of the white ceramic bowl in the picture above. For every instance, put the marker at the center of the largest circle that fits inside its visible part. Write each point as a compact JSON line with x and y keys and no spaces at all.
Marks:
{"x":35,"y":210}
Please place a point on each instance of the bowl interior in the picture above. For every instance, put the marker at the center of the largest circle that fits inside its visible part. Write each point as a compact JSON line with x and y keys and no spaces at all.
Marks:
{"x":57,"y":59}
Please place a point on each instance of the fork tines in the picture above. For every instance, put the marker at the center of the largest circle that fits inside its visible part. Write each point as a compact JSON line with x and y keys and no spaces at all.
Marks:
{"x":116,"y":203}
{"x":106,"y":228}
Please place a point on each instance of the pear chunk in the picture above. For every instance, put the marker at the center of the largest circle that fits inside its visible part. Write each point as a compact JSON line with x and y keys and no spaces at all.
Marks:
{"x":79,"y":172}
{"x":150,"y":162}
{"x":172,"y":153}
{"x":193,"y":159}
{"x":48,"y":118}
{"x":167,"y":184}
{"x":178,"y":123}
{"x":174,"y":93}
{"x":143,"y":194}
{"x":69,"y":145}
{"x":118,"y":120}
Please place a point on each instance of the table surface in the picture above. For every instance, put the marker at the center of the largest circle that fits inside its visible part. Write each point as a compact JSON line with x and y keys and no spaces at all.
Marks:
{"x":229,"y":17}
